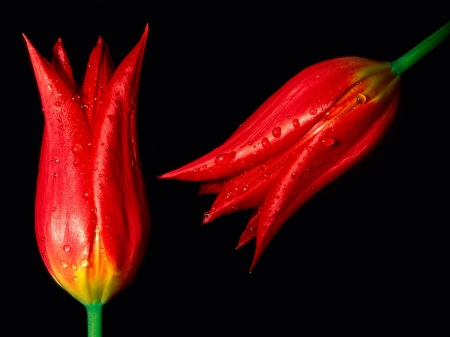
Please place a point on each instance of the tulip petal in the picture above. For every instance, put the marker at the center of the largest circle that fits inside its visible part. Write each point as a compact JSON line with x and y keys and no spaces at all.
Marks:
{"x":319,"y":162}
{"x":278,"y":123}
{"x":98,"y":73}
{"x":251,"y":229}
{"x":61,"y":64}
{"x":64,"y":157}
{"x":118,"y":168}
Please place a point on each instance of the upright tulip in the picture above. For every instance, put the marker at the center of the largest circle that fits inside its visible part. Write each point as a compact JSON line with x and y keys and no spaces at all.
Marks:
{"x":92,"y":217}
{"x":309,"y":132}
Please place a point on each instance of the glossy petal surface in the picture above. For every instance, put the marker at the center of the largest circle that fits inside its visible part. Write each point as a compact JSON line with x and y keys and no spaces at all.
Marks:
{"x":313,"y":129}
{"x":92,"y":217}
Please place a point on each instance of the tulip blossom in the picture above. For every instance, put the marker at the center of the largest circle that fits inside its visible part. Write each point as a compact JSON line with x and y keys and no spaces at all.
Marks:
{"x":309,"y":132}
{"x":92,"y":217}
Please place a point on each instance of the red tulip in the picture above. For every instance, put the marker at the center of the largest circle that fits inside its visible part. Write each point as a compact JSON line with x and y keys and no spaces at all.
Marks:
{"x":92,"y":217}
{"x":309,"y":132}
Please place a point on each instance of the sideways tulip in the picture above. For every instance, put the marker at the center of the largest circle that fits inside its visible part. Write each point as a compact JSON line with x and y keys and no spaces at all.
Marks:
{"x":313,"y":129}
{"x":92,"y":217}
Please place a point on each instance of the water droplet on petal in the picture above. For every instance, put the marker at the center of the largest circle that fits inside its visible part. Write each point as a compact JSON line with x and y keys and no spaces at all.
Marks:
{"x":77,"y":149}
{"x":76,"y":162}
{"x":225,"y":158}
{"x":309,"y":148}
{"x":75,"y":98}
{"x":313,"y":111}
{"x":87,"y":194}
{"x":276,"y":132}
{"x":206,"y":215}
{"x":360,"y":98}
{"x":56,"y":175}
{"x":53,"y":209}
{"x":84,"y":263}
{"x":67,"y":248}
{"x":266,"y":143}
{"x":296,"y":123}
{"x":58,"y":103}
{"x":328,"y":141}
{"x":75,"y":279}
{"x":111,"y":118}
{"x":74,"y":266}
{"x":64,"y":264}
{"x":56,"y":160}
{"x":295,"y":176}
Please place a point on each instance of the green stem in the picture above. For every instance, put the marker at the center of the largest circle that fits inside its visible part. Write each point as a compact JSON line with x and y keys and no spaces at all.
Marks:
{"x":410,"y":58}
{"x":94,"y":318}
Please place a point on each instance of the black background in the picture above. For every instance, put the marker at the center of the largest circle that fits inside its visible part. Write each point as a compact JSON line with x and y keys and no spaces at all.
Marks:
{"x":367,"y":253}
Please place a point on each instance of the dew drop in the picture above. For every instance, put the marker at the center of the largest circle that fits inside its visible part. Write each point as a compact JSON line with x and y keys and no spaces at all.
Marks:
{"x":101,"y":186}
{"x":296,"y":123}
{"x":74,"y":266}
{"x":77,"y":149}
{"x":328,"y":141}
{"x":84,"y":263}
{"x":266,"y":143}
{"x":87,"y":194}
{"x":57,"y":103}
{"x":53,"y":209}
{"x":56,"y":175}
{"x":75,"y":279}
{"x":111,"y":118}
{"x":64,"y":264}
{"x":206,"y":215}
{"x":76,"y":162}
{"x":313,"y":111}
{"x":56,"y":160}
{"x":75,"y":98}
{"x":67,"y":248}
{"x":276,"y":132}
{"x":360,"y":98}
{"x":295,"y":176}
{"x":225,"y":158}
{"x":309,"y":148}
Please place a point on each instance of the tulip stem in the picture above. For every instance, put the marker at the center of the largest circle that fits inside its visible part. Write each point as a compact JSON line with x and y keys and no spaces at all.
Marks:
{"x":411,"y":57}
{"x":94,"y":318}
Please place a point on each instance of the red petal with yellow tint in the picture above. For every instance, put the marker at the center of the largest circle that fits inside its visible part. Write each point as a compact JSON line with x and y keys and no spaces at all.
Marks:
{"x":305,"y":135}
{"x":280,"y":122}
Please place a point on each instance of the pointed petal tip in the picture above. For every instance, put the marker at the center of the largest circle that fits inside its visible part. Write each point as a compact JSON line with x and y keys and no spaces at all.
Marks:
{"x":255,"y":259}
{"x":27,"y":41}
{"x":207,"y":218}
